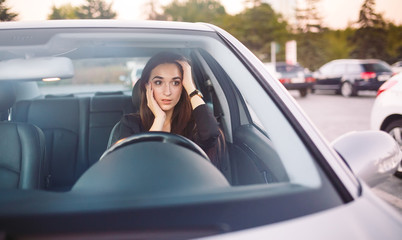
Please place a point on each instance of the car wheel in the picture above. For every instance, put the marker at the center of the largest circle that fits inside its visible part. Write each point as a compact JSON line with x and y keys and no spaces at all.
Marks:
{"x":347,"y":89}
{"x":395,"y":130}
{"x":303,"y":92}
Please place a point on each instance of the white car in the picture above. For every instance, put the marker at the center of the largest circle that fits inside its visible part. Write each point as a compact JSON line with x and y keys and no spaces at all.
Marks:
{"x":386,"y":114}
{"x":276,"y":177}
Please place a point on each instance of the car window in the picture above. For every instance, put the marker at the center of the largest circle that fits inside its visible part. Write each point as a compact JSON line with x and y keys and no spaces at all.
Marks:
{"x":354,"y":68}
{"x":376,"y":67}
{"x":274,"y":124}
{"x":287,"y":68}
{"x":97,"y":75}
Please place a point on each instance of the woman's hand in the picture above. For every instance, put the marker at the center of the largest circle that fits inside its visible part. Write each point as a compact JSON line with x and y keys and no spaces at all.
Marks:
{"x":189,"y":85}
{"x":188,"y":82}
{"x":159,"y":114}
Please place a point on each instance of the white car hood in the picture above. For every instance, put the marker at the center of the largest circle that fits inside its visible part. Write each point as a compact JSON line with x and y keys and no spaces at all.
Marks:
{"x":367,"y":217}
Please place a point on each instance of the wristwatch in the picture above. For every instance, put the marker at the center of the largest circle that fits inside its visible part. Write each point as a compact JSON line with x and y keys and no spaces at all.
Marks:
{"x":196,"y":92}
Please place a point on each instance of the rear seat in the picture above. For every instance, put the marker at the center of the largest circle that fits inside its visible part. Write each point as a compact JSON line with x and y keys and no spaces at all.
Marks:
{"x":76,"y":131}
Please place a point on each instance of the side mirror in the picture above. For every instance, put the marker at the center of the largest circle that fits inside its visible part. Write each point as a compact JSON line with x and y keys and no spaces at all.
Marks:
{"x":372,"y":155}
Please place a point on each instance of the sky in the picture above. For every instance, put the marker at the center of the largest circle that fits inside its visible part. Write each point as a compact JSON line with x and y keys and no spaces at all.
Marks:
{"x":337,"y":14}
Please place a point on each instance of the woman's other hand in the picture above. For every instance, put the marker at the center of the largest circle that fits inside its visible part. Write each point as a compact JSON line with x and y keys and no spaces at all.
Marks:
{"x":188,"y":82}
{"x":189,"y":86}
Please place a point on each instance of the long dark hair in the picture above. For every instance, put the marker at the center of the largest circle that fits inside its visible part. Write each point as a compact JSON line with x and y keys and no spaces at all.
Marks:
{"x":182,"y":122}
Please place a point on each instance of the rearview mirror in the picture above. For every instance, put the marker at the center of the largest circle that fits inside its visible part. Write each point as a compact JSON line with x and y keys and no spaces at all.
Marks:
{"x":372,"y":155}
{"x":36,"y":69}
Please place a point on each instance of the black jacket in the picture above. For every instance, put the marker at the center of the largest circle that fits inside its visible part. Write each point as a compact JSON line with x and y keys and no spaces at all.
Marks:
{"x":206,"y":134}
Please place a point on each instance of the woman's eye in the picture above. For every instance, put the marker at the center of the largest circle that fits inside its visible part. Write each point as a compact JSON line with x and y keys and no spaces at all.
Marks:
{"x":176,"y":83}
{"x":157,"y":82}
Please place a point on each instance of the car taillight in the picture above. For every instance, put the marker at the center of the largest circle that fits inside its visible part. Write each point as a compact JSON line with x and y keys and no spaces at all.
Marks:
{"x":310,"y":79}
{"x":387,"y":85}
{"x":367,"y":75}
{"x":284,"y":80}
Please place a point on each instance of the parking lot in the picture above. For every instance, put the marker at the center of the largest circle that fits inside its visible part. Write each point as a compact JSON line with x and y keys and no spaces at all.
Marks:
{"x":335,"y":115}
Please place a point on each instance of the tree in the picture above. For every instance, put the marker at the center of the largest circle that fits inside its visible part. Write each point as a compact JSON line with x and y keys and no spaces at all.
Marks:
{"x":311,"y":46}
{"x":5,"y":14}
{"x":257,"y":27}
{"x":394,"y":44}
{"x":370,"y":39}
{"x":308,"y":18}
{"x":210,"y":11}
{"x":367,"y":16}
{"x":66,"y":11}
{"x":98,"y":9}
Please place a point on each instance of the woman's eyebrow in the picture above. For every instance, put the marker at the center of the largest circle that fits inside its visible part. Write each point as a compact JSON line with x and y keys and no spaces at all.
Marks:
{"x":161,"y":78}
{"x":157,"y":77}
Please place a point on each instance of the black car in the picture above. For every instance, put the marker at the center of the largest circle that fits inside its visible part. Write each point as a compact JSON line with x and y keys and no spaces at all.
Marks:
{"x":348,"y":76}
{"x":292,"y":76}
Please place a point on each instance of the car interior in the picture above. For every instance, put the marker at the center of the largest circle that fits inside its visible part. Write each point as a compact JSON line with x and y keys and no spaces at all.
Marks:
{"x":77,"y":128}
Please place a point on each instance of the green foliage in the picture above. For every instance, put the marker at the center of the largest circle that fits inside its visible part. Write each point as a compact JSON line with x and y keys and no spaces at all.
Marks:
{"x":257,"y":27}
{"x":92,"y":9}
{"x":394,"y":43}
{"x":66,"y":11}
{"x":96,"y":9}
{"x":370,"y":39}
{"x":336,"y":44}
{"x":5,"y":14}
{"x":311,"y":49}
{"x":195,"y":11}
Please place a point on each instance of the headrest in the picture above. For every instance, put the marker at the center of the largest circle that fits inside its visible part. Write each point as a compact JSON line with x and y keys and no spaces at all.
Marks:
{"x":7,"y":95}
{"x":136,"y":95}
{"x":109,"y":93}
{"x":59,"y":96}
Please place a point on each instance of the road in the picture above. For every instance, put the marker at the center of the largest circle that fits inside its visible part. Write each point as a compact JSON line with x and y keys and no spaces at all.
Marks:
{"x":335,"y":115}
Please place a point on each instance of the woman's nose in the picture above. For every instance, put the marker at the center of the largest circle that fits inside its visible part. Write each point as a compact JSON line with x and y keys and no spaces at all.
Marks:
{"x":166,"y":90}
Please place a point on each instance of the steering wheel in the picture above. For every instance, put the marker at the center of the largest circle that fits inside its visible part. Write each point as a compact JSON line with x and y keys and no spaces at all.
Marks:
{"x":156,"y":136}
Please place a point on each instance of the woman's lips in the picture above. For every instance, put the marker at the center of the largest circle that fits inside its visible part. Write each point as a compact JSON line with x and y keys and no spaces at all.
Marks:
{"x":166,"y":101}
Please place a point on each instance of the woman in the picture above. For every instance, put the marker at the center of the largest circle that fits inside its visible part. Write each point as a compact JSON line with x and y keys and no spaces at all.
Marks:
{"x":171,"y":103}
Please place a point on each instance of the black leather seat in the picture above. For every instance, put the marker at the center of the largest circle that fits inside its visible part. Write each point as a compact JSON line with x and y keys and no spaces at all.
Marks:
{"x":76,"y":131}
{"x":136,"y":100}
{"x":22,"y":148}
{"x":63,"y":122}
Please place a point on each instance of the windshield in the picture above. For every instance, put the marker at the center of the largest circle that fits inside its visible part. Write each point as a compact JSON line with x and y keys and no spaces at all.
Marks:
{"x":265,"y":163}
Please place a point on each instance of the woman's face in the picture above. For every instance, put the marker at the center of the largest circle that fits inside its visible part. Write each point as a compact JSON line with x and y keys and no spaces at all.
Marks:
{"x":166,"y":82}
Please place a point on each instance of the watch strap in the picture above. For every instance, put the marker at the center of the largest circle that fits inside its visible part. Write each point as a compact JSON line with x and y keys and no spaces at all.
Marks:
{"x":195,"y":92}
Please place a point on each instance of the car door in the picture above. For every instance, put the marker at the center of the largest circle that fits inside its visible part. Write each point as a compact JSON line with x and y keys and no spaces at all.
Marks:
{"x":329,"y":75}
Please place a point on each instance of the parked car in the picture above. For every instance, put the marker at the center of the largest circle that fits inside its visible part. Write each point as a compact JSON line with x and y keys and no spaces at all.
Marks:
{"x":349,"y":76}
{"x":397,"y":67}
{"x":386,"y":114}
{"x":277,"y":176}
{"x":292,"y":76}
